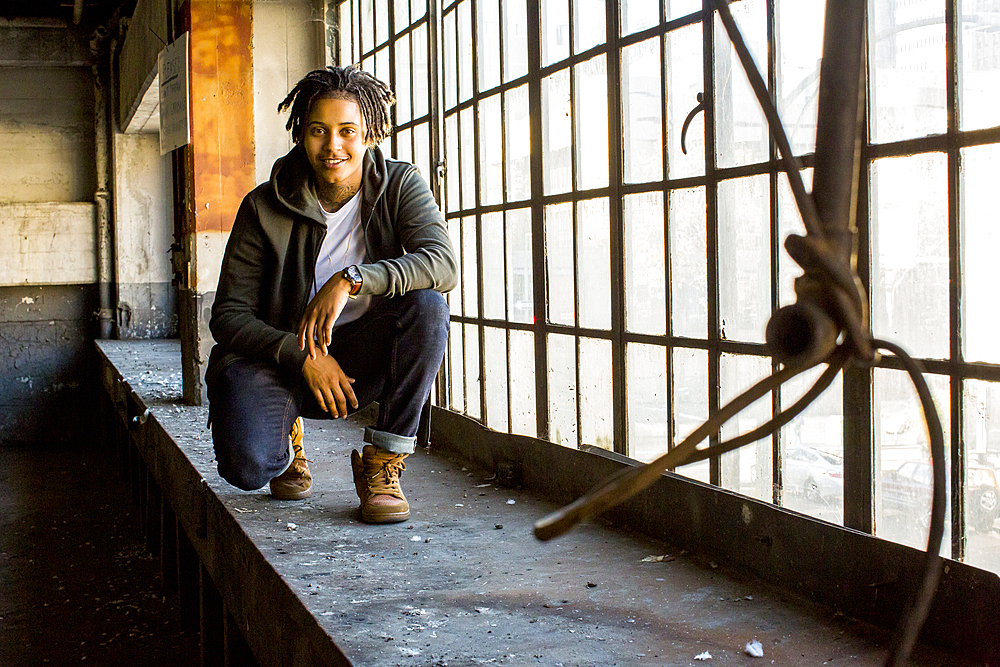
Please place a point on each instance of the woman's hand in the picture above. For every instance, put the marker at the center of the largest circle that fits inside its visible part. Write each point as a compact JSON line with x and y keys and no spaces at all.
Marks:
{"x":322,"y":313}
{"x":329,"y":384}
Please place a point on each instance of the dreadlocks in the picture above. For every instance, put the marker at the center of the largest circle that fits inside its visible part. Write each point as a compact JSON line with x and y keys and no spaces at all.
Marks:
{"x":372,"y":95}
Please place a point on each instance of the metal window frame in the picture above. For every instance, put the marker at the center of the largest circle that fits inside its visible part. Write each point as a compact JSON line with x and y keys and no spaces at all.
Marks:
{"x":860,"y":464}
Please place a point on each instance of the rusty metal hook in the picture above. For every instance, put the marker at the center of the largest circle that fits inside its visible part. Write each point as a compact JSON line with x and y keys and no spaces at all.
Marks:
{"x":690,"y":117}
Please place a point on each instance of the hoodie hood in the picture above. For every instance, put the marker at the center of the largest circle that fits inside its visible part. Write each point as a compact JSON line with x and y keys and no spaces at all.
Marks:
{"x":292,"y":183}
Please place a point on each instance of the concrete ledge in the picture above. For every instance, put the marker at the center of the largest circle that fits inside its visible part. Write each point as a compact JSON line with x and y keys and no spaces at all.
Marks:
{"x":463,"y":582}
{"x":851,"y":572}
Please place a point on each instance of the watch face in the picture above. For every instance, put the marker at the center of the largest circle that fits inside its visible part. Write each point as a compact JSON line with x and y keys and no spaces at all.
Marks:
{"x":353,"y":274}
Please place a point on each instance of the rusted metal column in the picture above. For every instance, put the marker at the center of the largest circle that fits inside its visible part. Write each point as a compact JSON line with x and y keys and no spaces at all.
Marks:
{"x":838,"y":139}
{"x":218,"y":166}
{"x":835,"y":193}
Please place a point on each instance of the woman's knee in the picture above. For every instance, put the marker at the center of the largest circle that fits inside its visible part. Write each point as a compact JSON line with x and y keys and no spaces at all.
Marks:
{"x":246,"y":472}
{"x":429,"y":307}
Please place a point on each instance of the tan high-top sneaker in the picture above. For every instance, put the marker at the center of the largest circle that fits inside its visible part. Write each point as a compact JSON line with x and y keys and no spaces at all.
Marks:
{"x":296,"y":482}
{"x":376,"y":479}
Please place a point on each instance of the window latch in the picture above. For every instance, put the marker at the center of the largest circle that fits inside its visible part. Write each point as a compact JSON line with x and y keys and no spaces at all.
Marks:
{"x":690,"y":117}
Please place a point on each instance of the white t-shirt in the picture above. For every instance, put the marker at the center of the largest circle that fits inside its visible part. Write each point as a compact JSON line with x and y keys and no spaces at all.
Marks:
{"x":343,"y":246}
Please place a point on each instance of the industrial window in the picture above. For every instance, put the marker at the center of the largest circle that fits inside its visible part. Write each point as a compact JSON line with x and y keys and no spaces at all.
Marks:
{"x":619,"y":212}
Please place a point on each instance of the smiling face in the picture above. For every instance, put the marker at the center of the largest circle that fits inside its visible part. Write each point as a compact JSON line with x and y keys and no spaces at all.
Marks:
{"x":333,"y":140}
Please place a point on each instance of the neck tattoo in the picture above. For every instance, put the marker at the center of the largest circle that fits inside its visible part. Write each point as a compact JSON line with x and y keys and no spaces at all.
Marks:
{"x":333,"y":197}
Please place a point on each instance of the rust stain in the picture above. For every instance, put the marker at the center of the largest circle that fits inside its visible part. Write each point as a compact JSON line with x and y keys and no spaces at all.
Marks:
{"x":222,"y":132}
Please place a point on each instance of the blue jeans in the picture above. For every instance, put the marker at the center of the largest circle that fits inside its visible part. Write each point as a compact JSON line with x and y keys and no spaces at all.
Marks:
{"x":393,"y":352}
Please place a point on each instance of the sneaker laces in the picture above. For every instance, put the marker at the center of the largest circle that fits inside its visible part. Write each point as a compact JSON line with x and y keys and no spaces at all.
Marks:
{"x":383,"y":476}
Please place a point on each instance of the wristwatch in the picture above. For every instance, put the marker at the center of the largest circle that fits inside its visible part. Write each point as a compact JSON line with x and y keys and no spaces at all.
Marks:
{"x":353,"y":275}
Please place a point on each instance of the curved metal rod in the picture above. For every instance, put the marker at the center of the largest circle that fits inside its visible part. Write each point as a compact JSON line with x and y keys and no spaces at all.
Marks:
{"x":807,"y":208}
{"x":630,"y":481}
{"x":920,"y":602}
{"x":836,"y":363}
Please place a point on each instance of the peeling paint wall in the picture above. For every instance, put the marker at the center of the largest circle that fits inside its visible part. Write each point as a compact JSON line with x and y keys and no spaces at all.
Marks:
{"x":147,"y":302}
{"x":48,"y":269}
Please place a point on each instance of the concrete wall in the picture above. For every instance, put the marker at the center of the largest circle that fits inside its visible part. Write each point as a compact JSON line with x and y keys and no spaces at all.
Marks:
{"x":144,"y":231}
{"x":48,"y":268}
{"x":287,"y":44}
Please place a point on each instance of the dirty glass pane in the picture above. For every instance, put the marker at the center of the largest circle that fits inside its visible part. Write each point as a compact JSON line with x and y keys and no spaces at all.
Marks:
{"x":741,"y":134}
{"x":347,"y":29}
{"x":455,"y":296}
{"x":812,"y":449}
{"x":688,"y":263}
{"x":448,"y":37}
{"x":421,"y":95}
{"x":690,"y":396}
{"x":522,"y":383}
{"x":980,"y":224}
{"x":909,"y":246}
{"x":789,"y":222}
{"x":637,"y":15}
{"x":744,"y":258}
{"x":646,"y":390}
{"x":367,"y":27}
{"x":596,"y":394}
{"x":473,"y":386}
{"x":554,"y":15}
{"x":401,"y":15}
{"x":464,"y":48}
{"x":675,"y":9}
{"x":593,"y":239}
{"x":488,"y":51}
{"x":520,"y":294}
{"x":418,"y":8}
{"x":470,"y":275}
{"x":746,"y":470}
{"x":517,"y":137}
{"x":490,"y":151}
{"x":981,"y":402}
{"x":800,"y":47}
{"x":495,"y":350}
{"x":515,"y":39}
{"x":382,"y":69}
{"x":559,"y":263}
{"x":493,"y":268}
{"x":903,"y":478}
{"x":401,"y":81}
{"x":422,"y":150}
{"x":381,"y":21}
{"x":556,"y":133}
{"x":978,"y":66}
{"x":641,"y":105}
{"x":906,"y":65}
{"x":453,"y":177}
{"x":404,"y":146}
{"x":685,"y":81}
{"x":467,"y":123}
{"x":456,"y":368}
{"x":591,"y":109}
{"x":562,"y":389}
{"x":645,"y":265}
{"x":588,"y":28}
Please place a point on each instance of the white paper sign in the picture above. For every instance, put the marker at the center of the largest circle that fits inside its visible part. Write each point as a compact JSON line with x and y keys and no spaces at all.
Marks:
{"x":175,"y":125}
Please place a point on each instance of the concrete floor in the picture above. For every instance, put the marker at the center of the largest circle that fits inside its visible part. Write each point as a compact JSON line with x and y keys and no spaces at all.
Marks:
{"x":464,"y":582}
{"x":76,"y":584}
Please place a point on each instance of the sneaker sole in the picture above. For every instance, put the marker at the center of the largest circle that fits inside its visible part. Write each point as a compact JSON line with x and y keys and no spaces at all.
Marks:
{"x":385,"y":518}
{"x":300,"y":495}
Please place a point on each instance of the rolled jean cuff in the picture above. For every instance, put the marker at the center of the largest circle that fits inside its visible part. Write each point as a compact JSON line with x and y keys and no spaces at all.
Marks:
{"x":397,"y":444}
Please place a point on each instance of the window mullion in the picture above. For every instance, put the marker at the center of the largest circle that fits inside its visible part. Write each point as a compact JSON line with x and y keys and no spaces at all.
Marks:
{"x":712,"y":230}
